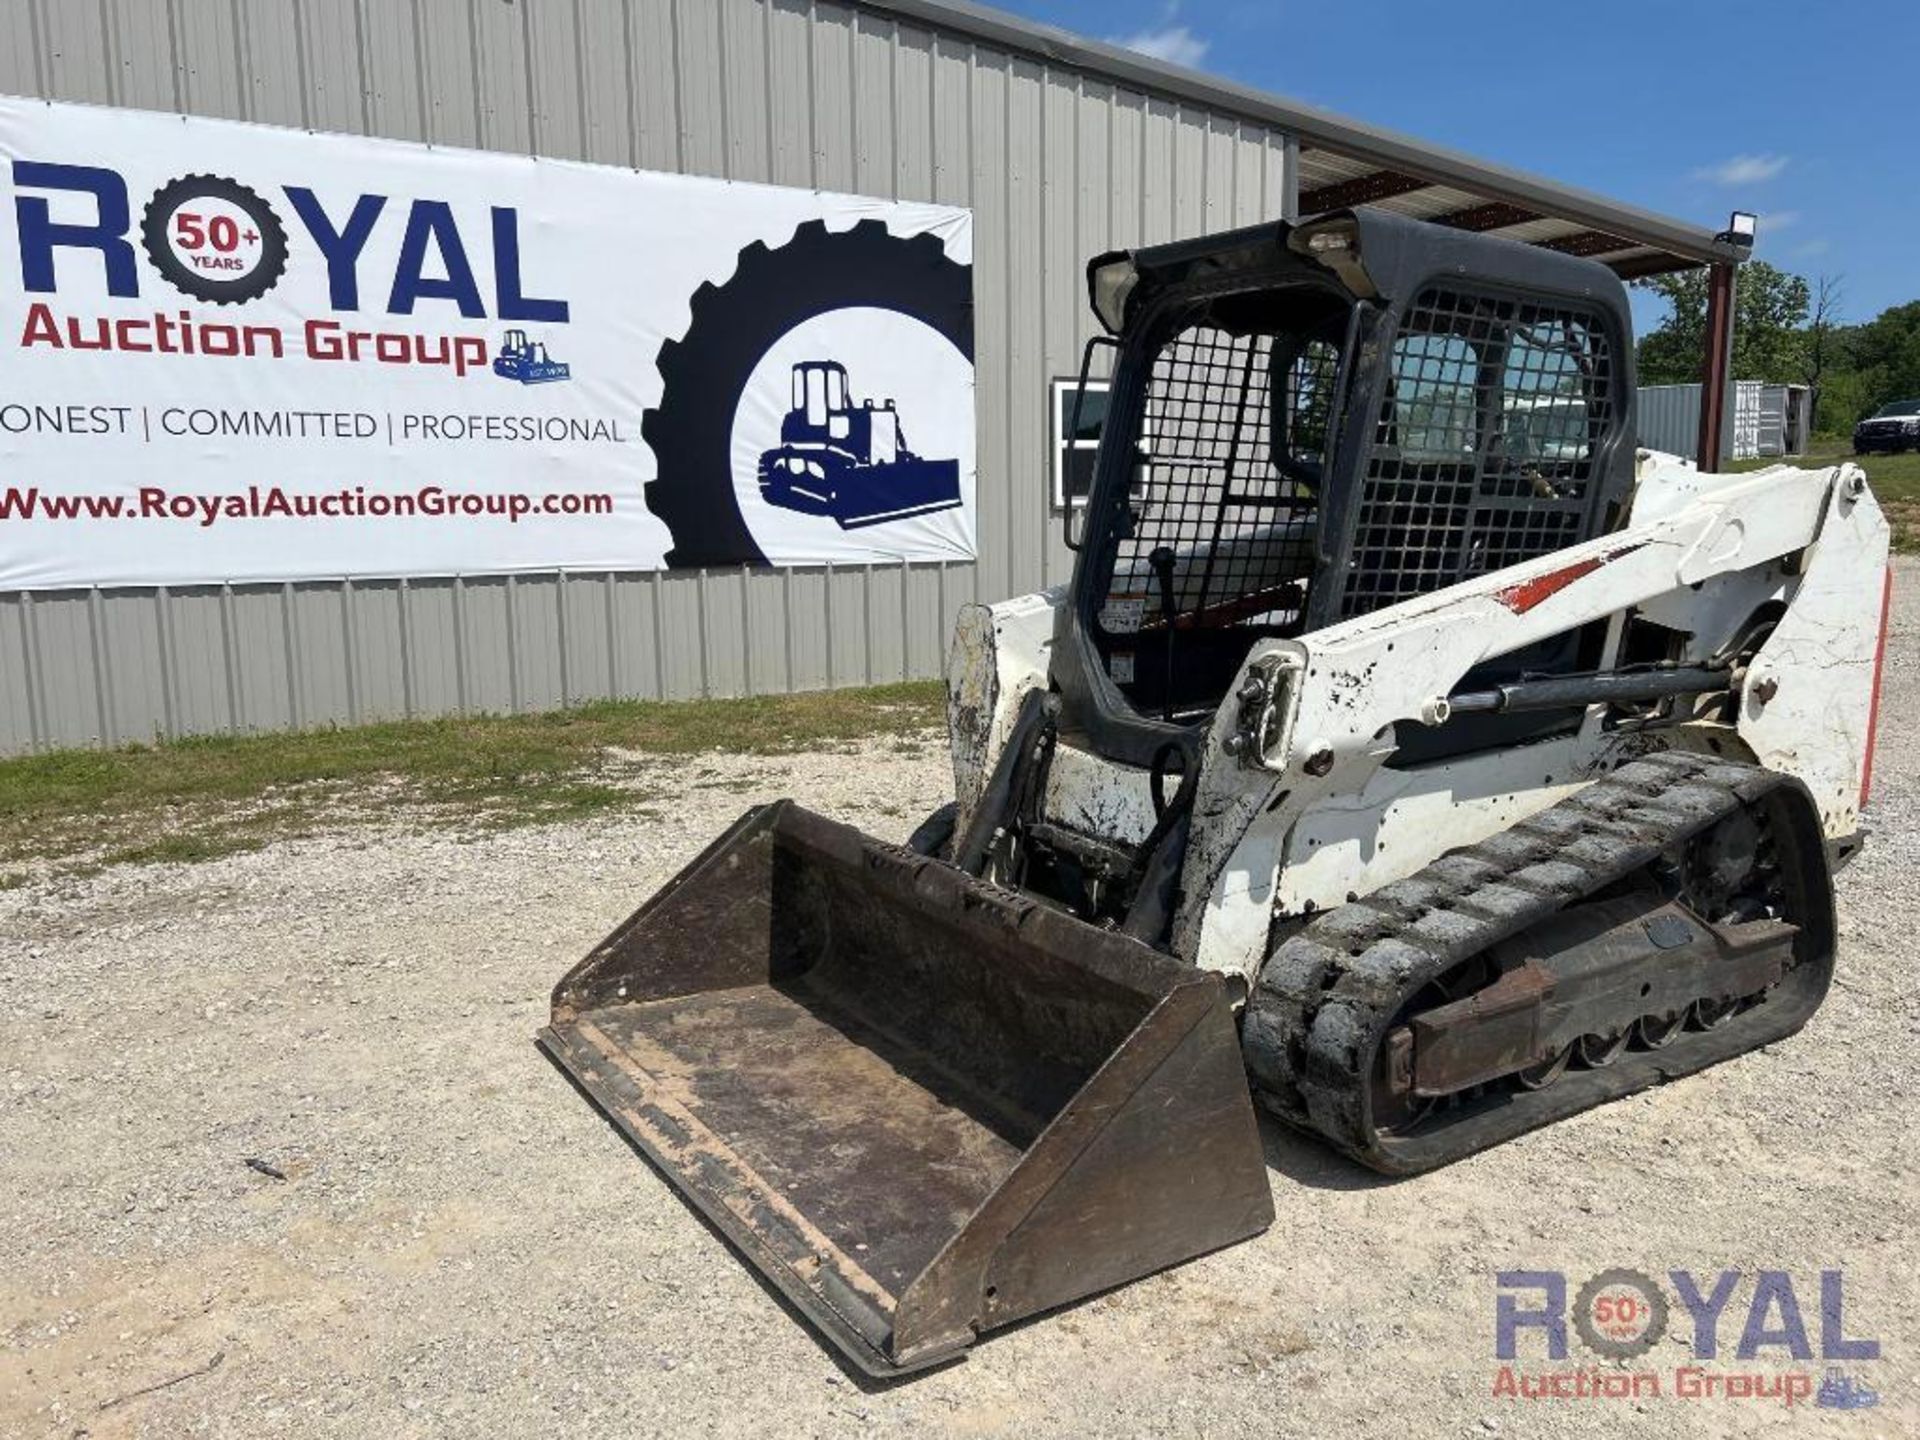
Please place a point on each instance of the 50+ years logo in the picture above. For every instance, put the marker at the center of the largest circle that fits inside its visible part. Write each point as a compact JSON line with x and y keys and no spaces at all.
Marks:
{"x":1620,"y":1314}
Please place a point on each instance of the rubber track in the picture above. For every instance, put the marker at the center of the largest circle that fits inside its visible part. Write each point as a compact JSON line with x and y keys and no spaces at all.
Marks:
{"x":1327,"y":995}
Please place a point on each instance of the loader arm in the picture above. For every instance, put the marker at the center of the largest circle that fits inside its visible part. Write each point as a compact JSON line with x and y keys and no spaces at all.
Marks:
{"x":1316,"y":809}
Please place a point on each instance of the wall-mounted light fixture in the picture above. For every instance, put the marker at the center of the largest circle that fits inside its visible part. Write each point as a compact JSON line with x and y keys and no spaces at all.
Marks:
{"x":1740,"y":229}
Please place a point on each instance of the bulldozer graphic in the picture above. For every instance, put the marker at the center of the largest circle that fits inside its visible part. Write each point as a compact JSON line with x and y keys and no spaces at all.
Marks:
{"x":848,"y":461}
{"x":1841,"y":1391}
{"x":703,"y":493}
{"x":526,"y":361}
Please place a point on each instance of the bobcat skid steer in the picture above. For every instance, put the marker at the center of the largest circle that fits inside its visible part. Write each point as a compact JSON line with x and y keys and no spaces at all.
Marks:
{"x":1408,"y":757}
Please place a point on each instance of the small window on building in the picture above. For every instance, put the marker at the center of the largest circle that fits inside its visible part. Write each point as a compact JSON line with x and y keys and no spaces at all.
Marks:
{"x":1076,"y":438}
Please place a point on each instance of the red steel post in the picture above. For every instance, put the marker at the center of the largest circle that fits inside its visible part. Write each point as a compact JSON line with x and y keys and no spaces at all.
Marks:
{"x":1719,"y":361}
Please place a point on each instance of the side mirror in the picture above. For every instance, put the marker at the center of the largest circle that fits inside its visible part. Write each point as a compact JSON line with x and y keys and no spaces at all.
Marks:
{"x":1073,"y":520}
{"x":1074,"y":524}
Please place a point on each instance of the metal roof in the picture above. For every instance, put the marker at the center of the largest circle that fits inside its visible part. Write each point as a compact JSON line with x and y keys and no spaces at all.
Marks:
{"x":1347,"y":162}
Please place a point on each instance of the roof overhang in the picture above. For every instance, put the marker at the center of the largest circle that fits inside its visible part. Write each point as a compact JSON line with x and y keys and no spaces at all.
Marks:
{"x":1343,"y":162}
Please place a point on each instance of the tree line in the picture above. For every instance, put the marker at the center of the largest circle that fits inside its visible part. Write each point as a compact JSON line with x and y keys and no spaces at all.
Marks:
{"x":1786,"y":330}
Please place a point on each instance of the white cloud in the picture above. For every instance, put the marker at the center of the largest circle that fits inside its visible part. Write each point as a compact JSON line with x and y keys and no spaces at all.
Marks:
{"x":1743,"y":169}
{"x":1810,"y":248}
{"x":1175,"y":44}
{"x":1772,"y":222}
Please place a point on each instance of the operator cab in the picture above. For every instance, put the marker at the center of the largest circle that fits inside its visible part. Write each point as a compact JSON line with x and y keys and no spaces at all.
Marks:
{"x":1311,"y":422}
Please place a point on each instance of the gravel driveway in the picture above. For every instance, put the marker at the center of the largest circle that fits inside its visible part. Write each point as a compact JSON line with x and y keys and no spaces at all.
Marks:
{"x":462,"y":1246}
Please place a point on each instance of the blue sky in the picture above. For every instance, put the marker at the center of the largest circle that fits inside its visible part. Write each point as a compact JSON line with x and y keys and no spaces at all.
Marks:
{"x":1665,"y":105}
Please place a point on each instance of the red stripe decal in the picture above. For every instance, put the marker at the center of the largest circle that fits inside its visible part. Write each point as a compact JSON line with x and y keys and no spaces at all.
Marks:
{"x":1879,"y":668}
{"x":1528,"y":593}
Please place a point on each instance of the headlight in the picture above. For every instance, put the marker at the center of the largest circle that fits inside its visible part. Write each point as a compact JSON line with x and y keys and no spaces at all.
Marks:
{"x":1335,"y":243}
{"x":1912,"y":424}
{"x":1110,"y":281}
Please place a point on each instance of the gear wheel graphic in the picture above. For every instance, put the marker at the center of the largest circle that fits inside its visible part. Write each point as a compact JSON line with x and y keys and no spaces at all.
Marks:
{"x":155,"y":237}
{"x":735,"y":323}
{"x":1649,"y":1292}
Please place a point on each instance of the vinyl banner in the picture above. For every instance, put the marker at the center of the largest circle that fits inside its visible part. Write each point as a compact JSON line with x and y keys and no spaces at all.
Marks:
{"x":239,"y":353}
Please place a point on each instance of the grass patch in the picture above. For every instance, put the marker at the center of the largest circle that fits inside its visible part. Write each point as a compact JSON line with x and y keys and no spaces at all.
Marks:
{"x":187,"y":849}
{"x":200,"y":799}
{"x":1895,"y":480}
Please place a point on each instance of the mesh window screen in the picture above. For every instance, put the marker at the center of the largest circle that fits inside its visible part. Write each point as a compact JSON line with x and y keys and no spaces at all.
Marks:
{"x":1485,"y":445}
{"x":1221,"y":537}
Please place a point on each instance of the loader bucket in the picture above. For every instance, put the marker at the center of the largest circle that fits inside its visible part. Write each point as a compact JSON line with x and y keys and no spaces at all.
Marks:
{"x":921,"y":1105}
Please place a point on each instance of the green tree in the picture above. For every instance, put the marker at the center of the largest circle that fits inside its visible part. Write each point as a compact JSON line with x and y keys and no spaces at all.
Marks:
{"x":1769,"y":307}
{"x":1845,"y":396}
{"x":1886,"y":356}
{"x":1823,"y":346}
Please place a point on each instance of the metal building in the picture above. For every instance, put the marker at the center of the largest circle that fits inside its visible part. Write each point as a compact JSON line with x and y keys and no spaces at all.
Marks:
{"x":1062,"y":148}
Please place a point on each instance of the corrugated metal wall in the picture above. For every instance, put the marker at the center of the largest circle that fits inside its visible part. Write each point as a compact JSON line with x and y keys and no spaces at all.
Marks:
{"x":1667,"y":417}
{"x":1057,"y":164}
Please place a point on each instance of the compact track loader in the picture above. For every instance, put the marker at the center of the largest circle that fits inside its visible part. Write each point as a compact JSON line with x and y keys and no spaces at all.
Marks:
{"x":1409,"y":757}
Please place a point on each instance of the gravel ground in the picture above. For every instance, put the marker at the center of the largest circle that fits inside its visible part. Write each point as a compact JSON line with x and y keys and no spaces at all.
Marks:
{"x":462,"y":1246}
